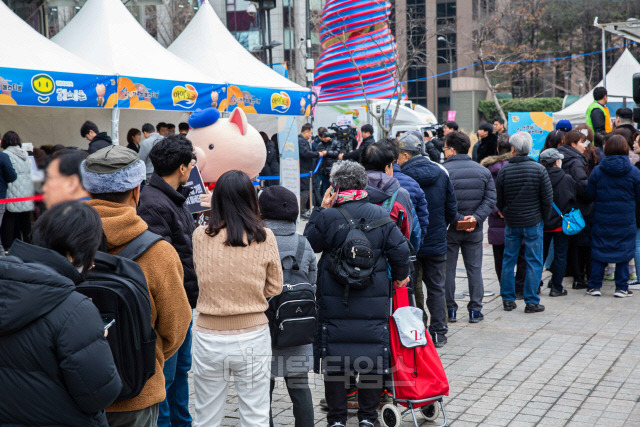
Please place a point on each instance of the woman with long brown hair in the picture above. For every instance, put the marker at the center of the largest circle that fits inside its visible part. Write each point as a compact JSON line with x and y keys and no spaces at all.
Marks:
{"x":238,"y":267}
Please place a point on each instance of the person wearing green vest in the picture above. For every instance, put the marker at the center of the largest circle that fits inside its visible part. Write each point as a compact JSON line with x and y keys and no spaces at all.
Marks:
{"x":598,"y":118}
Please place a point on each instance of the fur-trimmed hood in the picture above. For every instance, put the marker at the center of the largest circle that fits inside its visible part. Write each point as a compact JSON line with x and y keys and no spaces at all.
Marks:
{"x":488,"y":161}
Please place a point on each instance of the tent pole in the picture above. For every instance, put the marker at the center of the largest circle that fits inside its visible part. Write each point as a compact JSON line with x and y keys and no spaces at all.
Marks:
{"x":604,"y":60}
{"x":115,"y":121}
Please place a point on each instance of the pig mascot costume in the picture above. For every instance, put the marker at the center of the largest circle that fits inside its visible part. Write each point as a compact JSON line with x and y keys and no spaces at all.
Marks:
{"x":222,"y":145}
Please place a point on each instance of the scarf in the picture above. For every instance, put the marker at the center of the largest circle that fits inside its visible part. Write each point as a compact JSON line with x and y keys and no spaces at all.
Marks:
{"x":350,"y":196}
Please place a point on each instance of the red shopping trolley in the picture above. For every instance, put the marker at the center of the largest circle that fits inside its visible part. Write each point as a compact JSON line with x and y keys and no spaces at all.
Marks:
{"x":419,"y":380}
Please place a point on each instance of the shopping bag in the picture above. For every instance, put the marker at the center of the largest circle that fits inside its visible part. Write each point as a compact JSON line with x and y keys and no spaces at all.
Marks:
{"x":418,"y":373}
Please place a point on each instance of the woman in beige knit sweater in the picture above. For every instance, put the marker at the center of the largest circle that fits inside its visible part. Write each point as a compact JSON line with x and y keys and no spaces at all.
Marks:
{"x":238,"y":268}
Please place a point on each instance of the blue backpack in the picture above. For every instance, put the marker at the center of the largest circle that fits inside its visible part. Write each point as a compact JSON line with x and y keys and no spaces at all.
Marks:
{"x":572,"y":222}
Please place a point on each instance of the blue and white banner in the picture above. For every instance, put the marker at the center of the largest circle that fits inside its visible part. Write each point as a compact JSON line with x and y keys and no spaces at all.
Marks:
{"x":537,"y":124}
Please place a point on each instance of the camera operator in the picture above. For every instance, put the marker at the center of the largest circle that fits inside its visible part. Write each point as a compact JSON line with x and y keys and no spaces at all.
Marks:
{"x":434,"y":144}
{"x":367,"y":140}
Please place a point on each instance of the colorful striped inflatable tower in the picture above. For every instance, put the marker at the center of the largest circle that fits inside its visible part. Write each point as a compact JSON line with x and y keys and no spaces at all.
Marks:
{"x":355,"y":36}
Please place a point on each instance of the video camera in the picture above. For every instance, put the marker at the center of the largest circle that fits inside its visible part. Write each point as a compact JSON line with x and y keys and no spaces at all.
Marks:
{"x":435,"y":128}
{"x":343,"y":133}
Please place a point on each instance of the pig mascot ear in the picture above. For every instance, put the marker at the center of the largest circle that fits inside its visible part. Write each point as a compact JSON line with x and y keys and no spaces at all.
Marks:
{"x":239,"y":119}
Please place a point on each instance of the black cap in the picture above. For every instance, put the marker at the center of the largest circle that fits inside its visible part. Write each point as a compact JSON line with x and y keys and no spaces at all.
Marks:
{"x":276,"y":202}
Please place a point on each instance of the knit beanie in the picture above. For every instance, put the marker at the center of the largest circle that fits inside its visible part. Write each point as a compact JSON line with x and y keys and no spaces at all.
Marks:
{"x":278,"y":203}
{"x":113,"y":169}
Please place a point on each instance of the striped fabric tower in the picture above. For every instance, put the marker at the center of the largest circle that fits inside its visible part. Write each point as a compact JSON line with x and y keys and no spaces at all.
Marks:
{"x":355,"y":36}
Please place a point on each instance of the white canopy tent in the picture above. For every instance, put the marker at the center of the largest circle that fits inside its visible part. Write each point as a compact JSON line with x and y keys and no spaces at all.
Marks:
{"x":209,"y":46}
{"x":619,"y":86}
{"x":106,"y":34}
{"x":25,"y":48}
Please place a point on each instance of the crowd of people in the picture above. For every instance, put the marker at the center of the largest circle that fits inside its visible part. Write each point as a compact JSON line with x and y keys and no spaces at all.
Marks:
{"x":391,"y":213}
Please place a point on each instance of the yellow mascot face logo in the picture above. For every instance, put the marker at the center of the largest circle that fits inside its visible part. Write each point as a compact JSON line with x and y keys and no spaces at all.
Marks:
{"x":184,"y":96}
{"x":280,"y":102}
{"x":44,"y":86}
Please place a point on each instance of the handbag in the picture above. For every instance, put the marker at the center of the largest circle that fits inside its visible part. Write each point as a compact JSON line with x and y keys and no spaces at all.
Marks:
{"x":572,"y":222}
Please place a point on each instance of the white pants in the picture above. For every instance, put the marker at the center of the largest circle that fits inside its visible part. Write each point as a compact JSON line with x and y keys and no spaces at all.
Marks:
{"x":218,"y":358}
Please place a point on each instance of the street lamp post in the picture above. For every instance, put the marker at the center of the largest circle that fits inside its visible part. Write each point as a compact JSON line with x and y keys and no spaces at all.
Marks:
{"x":450,"y":61}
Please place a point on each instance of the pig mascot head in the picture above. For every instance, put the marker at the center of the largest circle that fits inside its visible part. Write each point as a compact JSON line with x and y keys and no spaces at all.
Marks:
{"x":222,"y":145}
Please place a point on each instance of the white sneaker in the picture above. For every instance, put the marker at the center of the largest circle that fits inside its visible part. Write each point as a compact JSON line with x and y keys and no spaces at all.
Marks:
{"x":634,"y":284}
{"x":594,"y":292}
{"x":622,"y":294}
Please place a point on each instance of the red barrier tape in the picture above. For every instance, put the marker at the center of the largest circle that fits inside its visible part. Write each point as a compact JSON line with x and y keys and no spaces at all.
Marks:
{"x":36,"y":198}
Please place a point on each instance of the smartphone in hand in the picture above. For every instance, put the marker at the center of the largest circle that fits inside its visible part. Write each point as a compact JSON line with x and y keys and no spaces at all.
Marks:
{"x":108,"y":322}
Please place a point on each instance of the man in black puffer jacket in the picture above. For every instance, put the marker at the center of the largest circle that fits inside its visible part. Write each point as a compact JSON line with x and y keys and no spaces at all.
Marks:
{"x":354,"y":337}
{"x":524,"y":198}
{"x":476,"y":196}
{"x":443,"y":209}
{"x":56,"y":367}
{"x":564,"y":197}
{"x":162,"y":207}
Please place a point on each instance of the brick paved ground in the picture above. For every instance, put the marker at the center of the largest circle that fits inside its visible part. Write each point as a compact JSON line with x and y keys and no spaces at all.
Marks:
{"x":575,"y":364}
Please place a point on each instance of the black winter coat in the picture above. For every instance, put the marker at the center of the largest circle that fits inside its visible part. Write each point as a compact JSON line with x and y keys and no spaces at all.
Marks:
{"x":7,"y":174}
{"x":56,"y":367}
{"x":307,"y":155}
{"x":473,"y":185}
{"x":333,"y":148}
{"x":564,"y":196}
{"x":575,"y":164}
{"x":524,"y":192}
{"x":357,"y":153}
{"x":166,"y":214}
{"x":487,"y":147}
{"x":362,"y":330}
{"x":271,"y":165}
{"x":100,"y":141}
{"x":443,"y":206}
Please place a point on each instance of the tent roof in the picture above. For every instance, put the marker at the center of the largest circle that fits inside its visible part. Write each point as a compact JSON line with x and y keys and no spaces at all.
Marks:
{"x":208,"y":45}
{"x":619,"y":83}
{"x":105,"y":33}
{"x":25,"y":48}
{"x":629,"y":29}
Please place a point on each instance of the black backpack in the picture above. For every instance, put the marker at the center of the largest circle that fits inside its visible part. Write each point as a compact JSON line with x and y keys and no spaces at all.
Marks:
{"x":352,"y":264}
{"x":293,"y":314}
{"x":118,"y":288}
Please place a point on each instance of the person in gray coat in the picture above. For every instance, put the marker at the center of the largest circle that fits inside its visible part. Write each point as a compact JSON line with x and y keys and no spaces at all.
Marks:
{"x":279,"y":209}
{"x":476,"y":196}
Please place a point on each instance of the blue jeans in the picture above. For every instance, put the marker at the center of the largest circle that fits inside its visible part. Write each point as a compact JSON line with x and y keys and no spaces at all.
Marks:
{"x":174,"y":410}
{"x":637,"y":256}
{"x":597,"y":274}
{"x":532,"y":239}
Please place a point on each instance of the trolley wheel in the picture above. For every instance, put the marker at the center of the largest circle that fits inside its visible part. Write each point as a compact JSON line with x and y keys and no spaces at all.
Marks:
{"x":391,"y":416}
{"x":431,"y":411}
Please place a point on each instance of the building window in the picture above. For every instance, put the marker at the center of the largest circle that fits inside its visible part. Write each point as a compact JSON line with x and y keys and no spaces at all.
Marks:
{"x":242,"y":22}
{"x":446,"y":13}
{"x":483,"y":7}
{"x":443,"y":49}
{"x":443,"y":107}
{"x":445,"y":83}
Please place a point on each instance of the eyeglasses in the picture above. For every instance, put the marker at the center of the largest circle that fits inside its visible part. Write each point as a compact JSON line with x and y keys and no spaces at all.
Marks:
{"x":447,"y":148}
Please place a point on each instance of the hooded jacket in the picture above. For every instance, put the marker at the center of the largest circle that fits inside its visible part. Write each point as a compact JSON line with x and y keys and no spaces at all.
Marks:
{"x":443,"y":206}
{"x":100,"y":141}
{"x":356,"y":337}
{"x":170,"y":310}
{"x":524,"y":192}
{"x":614,"y":186}
{"x":417,"y":197}
{"x":165,"y":212}
{"x":474,"y":187}
{"x":381,"y":187}
{"x":495,"y":234}
{"x":7,"y":174}
{"x":56,"y":367}
{"x":22,"y":186}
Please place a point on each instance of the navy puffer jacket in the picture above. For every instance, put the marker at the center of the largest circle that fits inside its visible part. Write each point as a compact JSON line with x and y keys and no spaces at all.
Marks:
{"x":474,"y":187}
{"x":56,"y":367}
{"x":614,"y":186}
{"x":443,"y":206}
{"x":360,"y":332}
